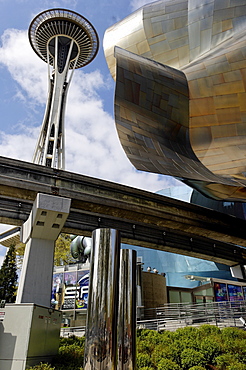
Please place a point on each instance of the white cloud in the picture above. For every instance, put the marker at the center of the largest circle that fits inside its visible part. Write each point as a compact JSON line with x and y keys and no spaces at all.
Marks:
{"x":61,"y":3}
{"x":24,"y":65}
{"x":136,"y":4}
{"x":92,"y":144}
{"x":17,"y":146}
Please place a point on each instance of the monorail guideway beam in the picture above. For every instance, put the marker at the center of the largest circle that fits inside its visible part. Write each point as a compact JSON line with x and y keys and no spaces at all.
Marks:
{"x":143,"y":218}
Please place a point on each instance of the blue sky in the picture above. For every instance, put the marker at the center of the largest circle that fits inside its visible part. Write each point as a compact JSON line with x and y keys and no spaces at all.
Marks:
{"x":92,"y":145}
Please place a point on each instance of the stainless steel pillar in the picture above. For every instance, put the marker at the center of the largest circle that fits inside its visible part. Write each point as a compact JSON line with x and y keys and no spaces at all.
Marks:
{"x":101,"y":332}
{"x":127,"y":311}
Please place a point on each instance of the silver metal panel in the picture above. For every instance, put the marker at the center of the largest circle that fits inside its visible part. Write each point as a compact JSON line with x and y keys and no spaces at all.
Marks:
{"x":151,"y":113}
{"x":101,"y":338}
{"x":127,"y":311}
{"x":205,"y":40}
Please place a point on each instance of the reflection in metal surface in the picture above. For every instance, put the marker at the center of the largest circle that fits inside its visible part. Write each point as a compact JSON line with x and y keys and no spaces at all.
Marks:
{"x":181,"y":92}
{"x":100,"y":346}
{"x":127,"y":311}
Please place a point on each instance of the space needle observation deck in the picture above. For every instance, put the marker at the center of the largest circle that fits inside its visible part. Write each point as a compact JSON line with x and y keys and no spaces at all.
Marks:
{"x":65,"y":41}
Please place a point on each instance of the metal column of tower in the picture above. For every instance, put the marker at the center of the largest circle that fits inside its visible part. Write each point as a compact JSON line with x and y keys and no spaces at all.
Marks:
{"x":65,"y":41}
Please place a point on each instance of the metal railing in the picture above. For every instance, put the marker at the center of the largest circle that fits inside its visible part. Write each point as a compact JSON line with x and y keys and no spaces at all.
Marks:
{"x":78,"y":331}
{"x":179,"y":315}
{"x":174,"y":316}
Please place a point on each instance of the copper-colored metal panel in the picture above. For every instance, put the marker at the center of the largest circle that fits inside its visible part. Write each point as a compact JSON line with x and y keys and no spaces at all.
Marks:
{"x":206,"y":41}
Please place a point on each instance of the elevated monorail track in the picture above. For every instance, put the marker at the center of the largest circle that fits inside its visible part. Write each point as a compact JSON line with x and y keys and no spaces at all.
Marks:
{"x":144,"y":219}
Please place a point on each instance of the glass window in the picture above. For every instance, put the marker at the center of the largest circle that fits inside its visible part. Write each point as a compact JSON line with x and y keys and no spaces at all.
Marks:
{"x":235,"y":293}
{"x":174,"y":296}
{"x":186,"y":297}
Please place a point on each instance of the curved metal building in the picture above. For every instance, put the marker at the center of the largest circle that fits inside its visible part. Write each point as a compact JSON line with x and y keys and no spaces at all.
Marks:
{"x":65,"y":41}
{"x":180,"y":71}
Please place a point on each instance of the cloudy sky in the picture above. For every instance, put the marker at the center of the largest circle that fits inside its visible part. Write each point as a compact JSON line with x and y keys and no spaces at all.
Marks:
{"x":92,"y":145}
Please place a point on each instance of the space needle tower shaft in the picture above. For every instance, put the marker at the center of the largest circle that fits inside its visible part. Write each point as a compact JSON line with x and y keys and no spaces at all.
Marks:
{"x":65,"y":41}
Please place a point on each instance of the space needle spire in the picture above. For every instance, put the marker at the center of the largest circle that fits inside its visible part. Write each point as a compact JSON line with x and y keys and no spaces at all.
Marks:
{"x":65,"y":41}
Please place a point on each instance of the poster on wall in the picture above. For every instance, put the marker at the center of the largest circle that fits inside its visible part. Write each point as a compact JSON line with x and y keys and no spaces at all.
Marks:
{"x":244,"y":292}
{"x":82,"y":290}
{"x":235,"y":293}
{"x":57,"y":290}
{"x":220,"y":292}
{"x":70,"y":283}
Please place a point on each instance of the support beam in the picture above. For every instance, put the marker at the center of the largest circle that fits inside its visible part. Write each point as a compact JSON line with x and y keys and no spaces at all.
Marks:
{"x":39,"y":232}
{"x":143,"y":218}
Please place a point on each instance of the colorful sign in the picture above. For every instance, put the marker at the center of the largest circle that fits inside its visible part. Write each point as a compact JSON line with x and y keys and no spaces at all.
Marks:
{"x":235,"y":293}
{"x":220,"y":292}
{"x":70,"y":282}
{"x":70,"y":290}
{"x":244,"y":292}
{"x":82,"y":290}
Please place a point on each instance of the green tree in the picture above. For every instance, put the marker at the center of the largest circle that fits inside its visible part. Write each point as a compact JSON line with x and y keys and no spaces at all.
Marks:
{"x":62,"y":255}
{"x":62,"y":251}
{"x":8,"y":276}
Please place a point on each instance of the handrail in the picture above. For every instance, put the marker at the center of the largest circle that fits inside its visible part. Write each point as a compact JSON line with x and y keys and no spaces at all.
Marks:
{"x":173,"y":315}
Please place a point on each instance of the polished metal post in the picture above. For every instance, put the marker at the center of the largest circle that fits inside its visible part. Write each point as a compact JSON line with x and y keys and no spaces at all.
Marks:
{"x":101,"y":328}
{"x":127,"y":311}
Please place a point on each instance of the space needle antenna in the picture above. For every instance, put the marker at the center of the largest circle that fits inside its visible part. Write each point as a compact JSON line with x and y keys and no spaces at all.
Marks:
{"x":65,"y":41}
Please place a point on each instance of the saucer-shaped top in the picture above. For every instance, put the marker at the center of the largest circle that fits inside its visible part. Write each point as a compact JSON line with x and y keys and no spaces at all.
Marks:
{"x":67,"y":25}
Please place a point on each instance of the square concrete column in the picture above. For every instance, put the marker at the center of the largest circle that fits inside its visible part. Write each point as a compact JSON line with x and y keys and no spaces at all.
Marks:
{"x":39,"y":233}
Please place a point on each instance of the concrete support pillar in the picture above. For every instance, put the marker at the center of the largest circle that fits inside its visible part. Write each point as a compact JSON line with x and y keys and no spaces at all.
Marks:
{"x":39,"y":232}
{"x":101,"y":331}
{"x":127,"y":311}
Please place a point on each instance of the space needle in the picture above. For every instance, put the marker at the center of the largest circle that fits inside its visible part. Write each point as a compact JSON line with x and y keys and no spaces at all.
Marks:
{"x":65,"y":41}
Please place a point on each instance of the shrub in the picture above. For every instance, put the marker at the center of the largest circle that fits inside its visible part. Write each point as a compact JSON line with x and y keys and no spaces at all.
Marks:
{"x":42,"y":367}
{"x":145,"y":346}
{"x":79,"y":341}
{"x":207,"y":330}
{"x":70,"y":357}
{"x":236,"y":347}
{"x":210,"y":349}
{"x":143,"y":360}
{"x":191,"y":357}
{"x":189,"y":332}
{"x":186,"y":349}
{"x":233,"y":333}
{"x":187,"y":343}
{"x":171,"y":352}
{"x":229,"y":362}
{"x":166,"y":364}
{"x":237,"y":366}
